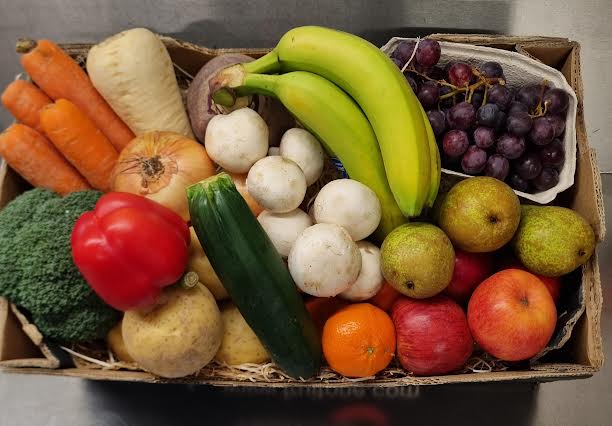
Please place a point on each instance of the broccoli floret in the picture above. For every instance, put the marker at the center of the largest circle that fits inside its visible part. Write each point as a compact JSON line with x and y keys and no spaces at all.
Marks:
{"x":12,"y":219}
{"x":36,"y":268}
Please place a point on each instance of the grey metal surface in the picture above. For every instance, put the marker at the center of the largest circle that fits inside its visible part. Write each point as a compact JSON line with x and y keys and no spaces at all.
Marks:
{"x":38,"y":400}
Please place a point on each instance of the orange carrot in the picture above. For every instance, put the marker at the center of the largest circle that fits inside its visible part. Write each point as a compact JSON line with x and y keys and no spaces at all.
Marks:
{"x":24,"y":101}
{"x":80,"y":141}
{"x":35,"y":158}
{"x":60,"y":77}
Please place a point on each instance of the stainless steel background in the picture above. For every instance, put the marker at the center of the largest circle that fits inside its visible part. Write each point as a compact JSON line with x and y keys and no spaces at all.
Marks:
{"x":37,"y":400}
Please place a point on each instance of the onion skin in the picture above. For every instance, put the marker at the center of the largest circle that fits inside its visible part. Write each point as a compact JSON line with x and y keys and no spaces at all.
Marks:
{"x":159,"y":166}
{"x":240,"y":182}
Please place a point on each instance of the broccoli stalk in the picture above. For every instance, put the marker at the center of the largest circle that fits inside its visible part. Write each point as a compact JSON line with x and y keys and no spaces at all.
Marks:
{"x":36,"y":268}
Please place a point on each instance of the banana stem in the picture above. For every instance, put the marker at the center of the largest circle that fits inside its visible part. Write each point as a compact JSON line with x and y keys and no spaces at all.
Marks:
{"x":261,"y":84}
{"x":224,"y":97}
{"x":221,"y":84}
{"x":269,"y":63}
{"x":231,"y":83}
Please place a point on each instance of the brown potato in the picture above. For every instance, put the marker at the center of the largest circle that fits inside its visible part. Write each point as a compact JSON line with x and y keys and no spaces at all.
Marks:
{"x":178,"y":336}
{"x":114,"y":340}
{"x":199,"y":263}
{"x":240,"y":344}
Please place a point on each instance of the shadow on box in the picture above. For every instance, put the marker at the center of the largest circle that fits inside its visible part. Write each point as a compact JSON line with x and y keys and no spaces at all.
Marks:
{"x":151,"y":404}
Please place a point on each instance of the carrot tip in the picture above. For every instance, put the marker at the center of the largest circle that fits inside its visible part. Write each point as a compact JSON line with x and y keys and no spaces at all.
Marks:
{"x":25,"y":45}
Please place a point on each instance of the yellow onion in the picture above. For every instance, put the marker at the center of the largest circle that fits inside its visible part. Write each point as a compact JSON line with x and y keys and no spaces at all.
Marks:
{"x":159,"y":166}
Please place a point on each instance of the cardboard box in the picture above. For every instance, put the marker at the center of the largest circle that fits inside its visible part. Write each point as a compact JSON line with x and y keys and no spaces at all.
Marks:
{"x":24,"y":350}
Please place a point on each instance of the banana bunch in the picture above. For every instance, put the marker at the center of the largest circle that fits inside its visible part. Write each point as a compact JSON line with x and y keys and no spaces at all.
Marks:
{"x":379,"y":130}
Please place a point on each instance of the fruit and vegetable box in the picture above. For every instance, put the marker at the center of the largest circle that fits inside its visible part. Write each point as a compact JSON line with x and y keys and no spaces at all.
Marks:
{"x":325,"y":213}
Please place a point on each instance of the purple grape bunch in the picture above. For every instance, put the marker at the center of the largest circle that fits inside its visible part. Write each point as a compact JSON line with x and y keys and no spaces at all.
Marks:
{"x":482,"y":125}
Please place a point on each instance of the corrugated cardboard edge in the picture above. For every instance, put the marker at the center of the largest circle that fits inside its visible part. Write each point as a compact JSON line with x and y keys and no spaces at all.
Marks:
{"x":545,"y":372}
{"x":496,"y":39}
{"x":14,"y":343}
{"x":588,"y":346}
{"x":30,"y":330}
{"x":589,"y":203}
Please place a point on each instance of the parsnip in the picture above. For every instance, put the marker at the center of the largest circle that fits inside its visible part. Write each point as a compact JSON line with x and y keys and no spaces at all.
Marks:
{"x":133,"y":71}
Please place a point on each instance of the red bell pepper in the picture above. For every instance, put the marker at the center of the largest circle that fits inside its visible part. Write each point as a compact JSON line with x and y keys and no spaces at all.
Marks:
{"x":128,"y":248}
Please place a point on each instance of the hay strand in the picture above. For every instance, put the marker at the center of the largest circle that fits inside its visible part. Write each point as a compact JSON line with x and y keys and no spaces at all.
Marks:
{"x":95,"y":358}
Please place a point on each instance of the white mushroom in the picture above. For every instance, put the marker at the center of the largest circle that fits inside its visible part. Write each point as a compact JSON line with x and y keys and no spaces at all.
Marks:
{"x":370,"y":279}
{"x":302,"y":147}
{"x":350,"y":204}
{"x":235,"y":141}
{"x":284,"y":228}
{"x":277,"y":184}
{"x":324,"y":261}
{"x":273,"y":150}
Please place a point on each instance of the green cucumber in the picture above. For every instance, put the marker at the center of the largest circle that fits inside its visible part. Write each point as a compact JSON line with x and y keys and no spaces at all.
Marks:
{"x":254,"y":275}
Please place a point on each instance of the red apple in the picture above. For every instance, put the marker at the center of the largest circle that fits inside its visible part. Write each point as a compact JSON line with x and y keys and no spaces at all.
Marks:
{"x":553,"y":284}
{"x":470,"y":270}
{"x":386,"y":297}
{"x":321,"y":308}
{"x":433,"y":336}
{"x":512,"y":315}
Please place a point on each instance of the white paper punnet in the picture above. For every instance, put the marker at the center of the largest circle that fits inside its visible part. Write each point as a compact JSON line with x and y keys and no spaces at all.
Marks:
{"x":520,"y":71}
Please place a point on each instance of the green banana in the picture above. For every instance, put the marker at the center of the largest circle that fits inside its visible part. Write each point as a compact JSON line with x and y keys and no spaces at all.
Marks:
{"x":381,"y":91}
{"x":336,"y":120}
{"x":434,"y":155}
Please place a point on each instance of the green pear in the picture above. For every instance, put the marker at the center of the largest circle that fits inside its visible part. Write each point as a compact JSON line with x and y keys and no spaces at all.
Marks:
{"x":553,"y":241}
{"x":417,"y":259}
{"x":479,"y":214}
